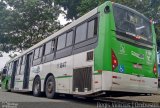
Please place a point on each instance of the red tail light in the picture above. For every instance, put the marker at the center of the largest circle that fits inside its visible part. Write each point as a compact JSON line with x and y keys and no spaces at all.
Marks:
{"x":155,"y":68}
{"x":114,"y":61}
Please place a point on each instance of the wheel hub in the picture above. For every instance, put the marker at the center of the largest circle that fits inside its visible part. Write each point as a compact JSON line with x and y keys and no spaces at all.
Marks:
{"x":50,"y":87}
{"x":36,"y":87}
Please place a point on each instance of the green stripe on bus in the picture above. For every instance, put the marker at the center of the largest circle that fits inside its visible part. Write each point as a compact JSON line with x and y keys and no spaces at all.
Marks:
{"x":64,"y":77}
{"x":18,"y":81}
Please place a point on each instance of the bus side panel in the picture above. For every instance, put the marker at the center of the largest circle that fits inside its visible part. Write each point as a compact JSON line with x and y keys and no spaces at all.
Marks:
{"x":18,"y":82}
{"x":97,"y":82}
{"x":62,"y":69}
{"x":40,"y":70}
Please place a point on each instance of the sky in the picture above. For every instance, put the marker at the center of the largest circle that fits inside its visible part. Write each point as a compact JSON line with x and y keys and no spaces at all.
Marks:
{"x":62,"y":19}
{"x":6,"y":57}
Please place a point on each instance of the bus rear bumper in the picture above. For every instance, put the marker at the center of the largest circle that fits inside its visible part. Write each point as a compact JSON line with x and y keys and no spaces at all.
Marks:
{"x":113,"y":81}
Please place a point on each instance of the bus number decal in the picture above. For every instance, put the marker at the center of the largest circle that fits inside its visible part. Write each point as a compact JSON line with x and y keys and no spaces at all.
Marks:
{"x":36,"y":69}
{"x":61,"y":65}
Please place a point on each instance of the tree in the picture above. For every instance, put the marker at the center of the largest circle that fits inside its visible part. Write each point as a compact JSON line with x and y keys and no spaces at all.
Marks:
{"x":26,"y":22}
{"x":87,"y":5}
{"x":4,"y":14}
{"x":70,"y":6}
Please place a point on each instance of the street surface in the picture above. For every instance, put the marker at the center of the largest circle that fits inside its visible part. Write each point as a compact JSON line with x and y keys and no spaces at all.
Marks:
{"x":26,"y":100}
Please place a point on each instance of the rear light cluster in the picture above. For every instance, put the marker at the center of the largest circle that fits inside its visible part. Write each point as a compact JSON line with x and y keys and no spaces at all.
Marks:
{"x":114,"y":61}
{"x":155,"y":68}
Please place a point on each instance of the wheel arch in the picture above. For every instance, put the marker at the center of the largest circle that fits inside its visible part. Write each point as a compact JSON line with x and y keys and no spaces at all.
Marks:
{"x":37,"y":76}
{"x":49,"y":74}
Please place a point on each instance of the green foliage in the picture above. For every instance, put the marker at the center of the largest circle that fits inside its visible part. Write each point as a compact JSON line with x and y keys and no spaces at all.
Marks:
{"x":86,"y":5}
{"x":70,"y":6}
{"x":26,"y":22}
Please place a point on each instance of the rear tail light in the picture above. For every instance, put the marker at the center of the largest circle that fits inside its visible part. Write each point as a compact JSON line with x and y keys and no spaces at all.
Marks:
{"x":115,"y":77}
{"x":155,"y":68}
{"x":114,"y":61}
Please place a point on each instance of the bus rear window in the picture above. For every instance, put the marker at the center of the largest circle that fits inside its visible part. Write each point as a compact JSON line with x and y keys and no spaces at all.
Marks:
{"x":132,"y":22}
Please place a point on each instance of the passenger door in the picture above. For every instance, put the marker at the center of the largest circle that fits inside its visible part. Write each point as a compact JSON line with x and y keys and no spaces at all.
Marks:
{"x":15,"y":63}
{"x":19,"y":75}
{"x":27,"y":70}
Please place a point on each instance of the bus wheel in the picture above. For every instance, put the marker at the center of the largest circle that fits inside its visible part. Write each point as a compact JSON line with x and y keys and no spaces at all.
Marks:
{"x":50,"y":87}
{"x":37,"y":87}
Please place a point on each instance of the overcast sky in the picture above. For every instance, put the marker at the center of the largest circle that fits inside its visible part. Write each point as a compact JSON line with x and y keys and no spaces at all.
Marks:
{"x":6,"y":57}
{"x":3,"y":60}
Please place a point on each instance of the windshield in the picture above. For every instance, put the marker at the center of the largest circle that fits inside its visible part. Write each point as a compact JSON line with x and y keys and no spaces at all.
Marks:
{"x":131,"y":22}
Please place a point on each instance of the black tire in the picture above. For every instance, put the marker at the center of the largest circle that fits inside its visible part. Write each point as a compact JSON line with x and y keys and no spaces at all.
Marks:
{"x":90,"y":98}
{"x":69,"y":96}
{"x":50,"y":88}
{"x":37,"y":87}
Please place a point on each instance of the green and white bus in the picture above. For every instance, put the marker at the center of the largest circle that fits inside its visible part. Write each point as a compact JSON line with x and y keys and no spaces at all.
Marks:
{"x":110,"y":49}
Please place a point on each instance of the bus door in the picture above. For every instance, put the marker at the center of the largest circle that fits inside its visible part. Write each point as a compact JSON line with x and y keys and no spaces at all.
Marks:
{"x":15,"y":63}
{"x":27,"y":70}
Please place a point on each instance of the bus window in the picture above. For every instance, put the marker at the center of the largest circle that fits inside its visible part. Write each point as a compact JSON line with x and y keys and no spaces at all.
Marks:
{"x":22,"y":65}
{"x":92,"y":28}
{"x":18,"y":66}
{"x":69,"y":39}
{"x":40,"y":51}
{"x":61,"y":42}
{"x":36,"y":54}
{"x":53,"y":45}
{"x":10,"y":68}
{"x":48,"y":51}
{"x":90,"y":33}
{"x":48,"y":48}
{"x":81,"y":32}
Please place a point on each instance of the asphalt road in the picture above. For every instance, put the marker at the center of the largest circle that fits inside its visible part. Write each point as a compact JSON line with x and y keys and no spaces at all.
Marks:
{"x":26,"y":100}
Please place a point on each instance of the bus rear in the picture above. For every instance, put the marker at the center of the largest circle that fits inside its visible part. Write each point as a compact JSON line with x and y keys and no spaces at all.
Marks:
{"x":129,"y":50}
{"x":133,"y":51}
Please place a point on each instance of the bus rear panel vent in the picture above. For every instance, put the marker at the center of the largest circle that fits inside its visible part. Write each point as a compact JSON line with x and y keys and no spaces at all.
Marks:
{"x":89,"y":55}
{"x":82,"y":78}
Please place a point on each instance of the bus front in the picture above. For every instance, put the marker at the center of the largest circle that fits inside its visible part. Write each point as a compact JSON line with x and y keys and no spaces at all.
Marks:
{"x":133,"y":52}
